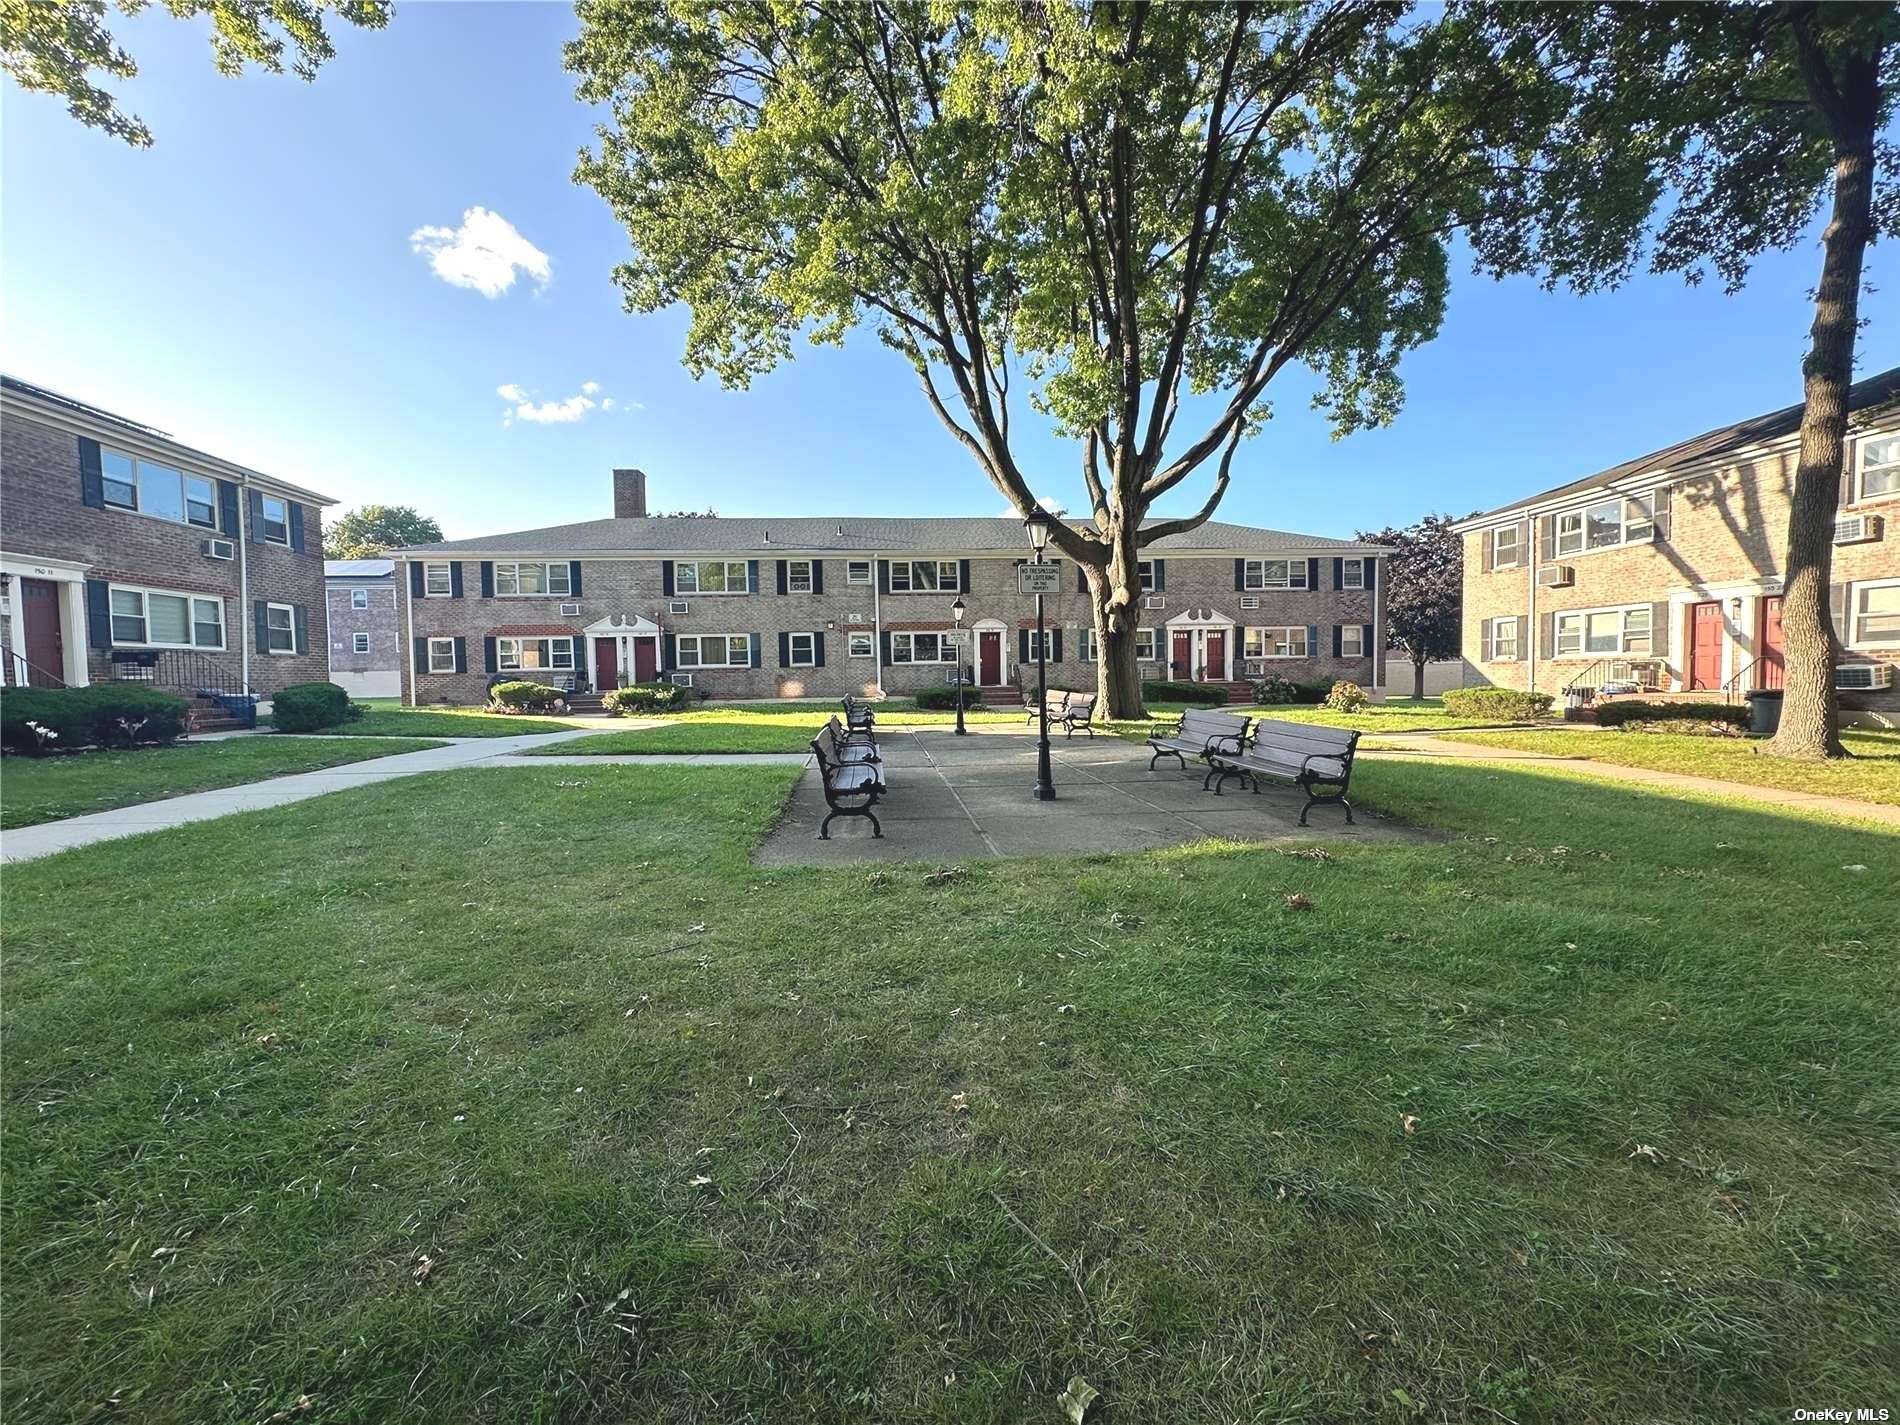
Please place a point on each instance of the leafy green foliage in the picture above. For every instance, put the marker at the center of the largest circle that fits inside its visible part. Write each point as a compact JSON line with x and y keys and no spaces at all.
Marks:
{"x":1346,"y":696}
{"x":309,"y":707}
{"x":1624,"y":712}
{"x":524,"y":695}
{"x":102,"y":715}
{"x":1194,"y":694}
{"x":374,"y":529}
{"x":1499,"y":704}
{"x":643,"y":699}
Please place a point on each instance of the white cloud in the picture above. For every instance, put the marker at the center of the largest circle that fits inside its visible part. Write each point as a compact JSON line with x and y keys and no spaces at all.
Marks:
{"x":484,"y":253}
{"x":523,"y":407}
{"x":592,"y":388}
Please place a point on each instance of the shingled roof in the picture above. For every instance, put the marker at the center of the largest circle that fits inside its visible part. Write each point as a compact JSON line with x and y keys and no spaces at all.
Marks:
{"x":849,"y":534}
{"x":1874,"y":392}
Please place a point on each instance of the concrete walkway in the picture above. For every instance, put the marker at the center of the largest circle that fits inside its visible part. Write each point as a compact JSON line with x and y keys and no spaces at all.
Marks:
{"x":1424,"y":748}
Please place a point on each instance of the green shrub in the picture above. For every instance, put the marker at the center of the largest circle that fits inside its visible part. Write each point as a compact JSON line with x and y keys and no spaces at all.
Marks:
{"x":1631,"y":712}
{"x":103,"y":715}
{"x":1273,"y":690}
{"x":306,"y":707}
{"x":519,"y":695}
{"x":1196,"y":693}
{"x":945,"y":699}
{"x":643,"y":699}
{"x":1497,"y":704}
{"x":1347,"y":697}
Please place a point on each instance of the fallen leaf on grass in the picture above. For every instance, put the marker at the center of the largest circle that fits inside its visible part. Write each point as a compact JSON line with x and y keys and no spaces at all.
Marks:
{"x":305,"y":1404}
{"x":959,"y":1103}
{"x":942,"y":874}
{"x":1409,"y":1122}
{"x":1856,"y":868}
{"x":1731,"y":1204}
{"x":701,"y":1181}
{"x":1295,"y":900}
{"x":1648,"y":1153}
{"x":420,"y":1271}
{"x":1076,"y":1400}
{"x":270,"y":1040}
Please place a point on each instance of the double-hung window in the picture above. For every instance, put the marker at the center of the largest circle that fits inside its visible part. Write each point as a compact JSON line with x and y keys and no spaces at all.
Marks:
{"x":280,"y":628}
{"x":437,"y":581}
{"x":276,"y":520}
{"x":1876,"y":615}
{"x":1507,"y":546}
{"x":1275,"y":642}
{"x":857,"y":571}
{"x":798,"y":576}
{"x":1145,"y":575}
{"x":861,"y":645}
{"x":803,"y":648}
{"x":533,"y":579}
{"x":1504,"y":640}
{"x":1085,"y":644}
{"x":519,"y":654}
{"x":1034,"y":641}
{"x":1089,"y":651}
{"x":1144,"y":645}
{"x":713,"y":650}
{"x":923,"y":648}
{"x":1606,"y":524}
{"x":359,"y":598}
{"x":359,"y":643}
{"x":1352,"y":640}
{"x":711,"y":576}
{"x":1879,"y":467}
{"x":1624,"y":630}
{"x":923,"y":576}
{"x":441,"y":655}
{"x":1352,"y":573}
{"x":156,"y":489}
{"x":1273,"y":574}
{"x":152,"y":618}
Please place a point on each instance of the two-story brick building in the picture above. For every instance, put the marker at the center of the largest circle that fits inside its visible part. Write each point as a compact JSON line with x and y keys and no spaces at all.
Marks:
{"x":131,"y":557}
{"x":365,"y":626}
{"x":817,"y":607}
{"x":1666,"y":571}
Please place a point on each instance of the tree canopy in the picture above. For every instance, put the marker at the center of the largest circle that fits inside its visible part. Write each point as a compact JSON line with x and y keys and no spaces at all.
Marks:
{"x":1424,"y":590}
{"x":374,"y":529}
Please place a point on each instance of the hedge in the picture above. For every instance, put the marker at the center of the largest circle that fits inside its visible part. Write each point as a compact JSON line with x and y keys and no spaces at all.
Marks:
{"x":945,"y":699}
{"x":85,"y":717}
{"x":1627,"y":712}
{"x":643,"y":699}
{"x":520,"y":695}
{"x":1498,"y":704}
{"x":307,"y":707}
{"x":1198,"y":693}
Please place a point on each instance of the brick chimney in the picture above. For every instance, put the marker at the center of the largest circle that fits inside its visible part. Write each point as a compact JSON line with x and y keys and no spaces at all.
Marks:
{"x":630,"y":494}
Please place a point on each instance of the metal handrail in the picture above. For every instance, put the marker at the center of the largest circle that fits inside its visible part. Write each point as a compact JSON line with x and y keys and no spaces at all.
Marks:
{"x":179,"y":668}
{"x":1732,"y":687}
{"x":21,"y":671}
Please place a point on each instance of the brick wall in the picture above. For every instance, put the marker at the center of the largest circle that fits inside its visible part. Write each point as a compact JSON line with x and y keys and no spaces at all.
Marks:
{"x":381,"y":621}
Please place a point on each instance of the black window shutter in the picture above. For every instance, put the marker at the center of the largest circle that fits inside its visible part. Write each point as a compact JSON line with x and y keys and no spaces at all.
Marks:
{"x":260,"y":625}
{"x":98,"y":613}
{"x":227,"y":508}
{"x":1339,"y":573}
{"x":488,"y":579}
{"x":666,"y":578}
{"x":419,"y":654}
{"x":784,"y":639}
{"x":1339,"y":637}
{"x":92,"y":482}
{"x":755,"y":649}
{"x":574,"y":578}
{"x":818,"y":648}
{"x":784,"y":579}
{"x":1312,"y":574}
{"x":669,"y":643}
{"x":1055,"y":646}
{"x":963,"y":575}
{"x":1365,"y":640}
{"x":1240,"y":574}
{"x":818,"y":576}
{"x":1161,"y":574}
{"x":415,"y":579}
{"x":1312,"y":640}
{"x":257,"y":516}
{"x":296,"y":526}
{"x":1372,"y":572}
{"x":884,"y":643}
{"x":299,"y":627}
{"x":1022,"y":645}
{"x":752,"y":583}
{"x":455,"y":578}
{"x":491,"y":661}
{"x":884,"y":576}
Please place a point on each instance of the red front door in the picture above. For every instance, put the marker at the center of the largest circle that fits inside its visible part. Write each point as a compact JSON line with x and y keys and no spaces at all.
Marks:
{"x":1216,"y":667}
{"x":45,"y":649}
{"x":1705,"y":646}
{"x":1182,"y":665}
{"x":606,"y":663}
{"x":989,"y":658}
{"x":645,"y":659}
{"x":1772,"y":671}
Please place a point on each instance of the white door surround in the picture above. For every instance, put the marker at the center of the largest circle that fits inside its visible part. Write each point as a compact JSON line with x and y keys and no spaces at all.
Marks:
{"x":1001,"y":630}
{"x":1199,"y":623}
{"x":68,"y":576}
{"x":625,"y":630}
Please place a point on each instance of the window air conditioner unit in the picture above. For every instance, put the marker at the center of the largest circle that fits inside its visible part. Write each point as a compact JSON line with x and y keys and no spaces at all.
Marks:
{"x":1250,"y":601}
{"x":677,"y":606}
{"x":680,"y":680}
{"x":1856,"y":529}
{"x":217,"y":549}
{"x":1863,"y":677}
{"x":570,"y":610}
{"x":1555,"y":576}
{"x":1155,"y":601}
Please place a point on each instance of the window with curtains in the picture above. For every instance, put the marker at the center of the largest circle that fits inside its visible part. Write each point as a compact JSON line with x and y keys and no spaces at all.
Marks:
{"x":1505,"y":637}
{"x":520,"y":654}
{"x":1273,"y":574}
{"x":1352,"y":640}
{"x":1275,"y":642}
{"x":713,"y":650}
{"x":924,"y":576}
{"x":923,"y":648}
{"x":153,"y":618}
{"x":513,"y":580}
{"x":1623,"y":630}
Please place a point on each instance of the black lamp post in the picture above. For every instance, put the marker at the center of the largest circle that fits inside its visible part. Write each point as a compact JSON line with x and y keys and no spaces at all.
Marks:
{"x":957,"y":610}
{"x":1037,"y":522}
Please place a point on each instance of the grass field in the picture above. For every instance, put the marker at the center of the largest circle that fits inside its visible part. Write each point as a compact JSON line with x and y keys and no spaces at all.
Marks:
{"x":520,"y":1094}
{"x":752,"y":728}
{"x":388,"y":718}
{"x":36,"y":789}
{"x":1871,"y":774}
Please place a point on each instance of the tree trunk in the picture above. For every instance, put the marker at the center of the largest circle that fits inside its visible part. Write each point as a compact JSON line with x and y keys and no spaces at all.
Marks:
{"x":1418,"y":680}
{"x":1810,"y":711}
{"x":1115,"y":593}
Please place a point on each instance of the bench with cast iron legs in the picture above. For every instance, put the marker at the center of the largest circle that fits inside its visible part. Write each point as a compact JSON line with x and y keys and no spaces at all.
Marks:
{"x":858,"y":716}
{"x":846,"y":748}
{"x":851,"y":788}
{"x":1078,"y":714}
{"x":1199,"y":733}
{"x":1317,"y":760}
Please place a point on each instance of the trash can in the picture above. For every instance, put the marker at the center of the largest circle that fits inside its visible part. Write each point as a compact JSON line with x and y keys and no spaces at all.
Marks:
{"x":1764,"y":711}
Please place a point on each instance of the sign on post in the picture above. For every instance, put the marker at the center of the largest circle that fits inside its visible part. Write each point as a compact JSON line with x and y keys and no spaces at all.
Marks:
{"x":1038,"y":578}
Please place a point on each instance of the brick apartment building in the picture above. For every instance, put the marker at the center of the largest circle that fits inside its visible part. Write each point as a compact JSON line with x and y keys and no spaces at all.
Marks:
{"x":817,"y":607}
{"x":130,"y":557}
{"x":1666,"y":571}
{"x":365,"y":627}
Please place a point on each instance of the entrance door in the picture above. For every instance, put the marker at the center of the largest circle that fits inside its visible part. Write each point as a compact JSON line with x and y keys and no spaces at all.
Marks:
{"x":1182,"y":656}
{"x":646,"y":660}
{"x":989,"y":658}
{"x":45,"y":649}
{"x":1705,"y":646}
{"x":1216,"y":666}
{"x":606,"y":663}
{"x":1772,"y":671}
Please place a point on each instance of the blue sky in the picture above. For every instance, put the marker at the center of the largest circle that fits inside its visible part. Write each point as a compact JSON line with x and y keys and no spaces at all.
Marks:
{"x":250,"y":284}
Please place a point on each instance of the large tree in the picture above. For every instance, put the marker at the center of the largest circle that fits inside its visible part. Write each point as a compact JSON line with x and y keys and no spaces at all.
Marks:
{"x":1716,"y":132}
{"x":1424,"y":591}
{"x":373,"y":529}
{"x":1116,"y":205}
{"x":56,"y":46}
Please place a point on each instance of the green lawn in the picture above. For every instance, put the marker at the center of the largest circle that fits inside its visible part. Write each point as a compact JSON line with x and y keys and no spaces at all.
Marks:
{"x":388,"y":718}
{"x":1400,"y":715}
{"x":1872,"y":774}
{"x":634,"y":1130}
{"x":36,"y":789}
{"x":753,"y":728}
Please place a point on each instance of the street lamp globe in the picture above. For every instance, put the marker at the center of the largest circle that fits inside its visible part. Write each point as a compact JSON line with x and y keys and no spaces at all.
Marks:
{"x":1037,"y":523}
{"x":957,"y":611}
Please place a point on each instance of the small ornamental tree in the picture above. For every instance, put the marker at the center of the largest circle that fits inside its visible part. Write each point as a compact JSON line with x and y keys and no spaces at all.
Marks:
{"x":1424,"y":592}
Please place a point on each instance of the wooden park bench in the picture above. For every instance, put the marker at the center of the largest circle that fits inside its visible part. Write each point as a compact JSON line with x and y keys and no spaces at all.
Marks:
{"x":1199,"y":731}
{"x":858,"y":716}
{"x":1317,"y":760}
{"x":851,"y":788}
{"x":1078,"y":713}
{"x":847,"y":748}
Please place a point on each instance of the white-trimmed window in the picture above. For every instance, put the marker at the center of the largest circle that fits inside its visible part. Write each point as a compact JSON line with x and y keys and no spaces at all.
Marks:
{"x":1606,"y":524}
{"x":1289,"y":642}
{"x":860,"y":645}
{"x":712,"y":576}
{"x":802,"y":648}
{"x":924,"y":576}
{"x":280,"y":628}
{"x":1875,"y":614}
{"x":857,"y":571}
{"x":1595,"y":631}
{"x":1879,"y":467}
{"x":359,"y":598}
{"x":156,"y":618}
{"x":441,"y":655}
{"x":1144,"y":645}
{"x":1352,"y":573}
{"x":438,"y":581}
{"x":1506,"y":634}
{"x":798,"y":576}
{"x":1085,"y":644}
{"x":923,"y":648}
{"x":543,"y":580}
{"x":713,"y":650}
{"x":160,"y":490}
{"x":276,"y":518}
{"x":1507,"y":546}
{"x":1273,"y":574}
{"x":521,"y":654}
{"x":359,"y":643}
{"x":1145,"y":575}
{"x":1034,"y":641}
{"x":1352,"y":640}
